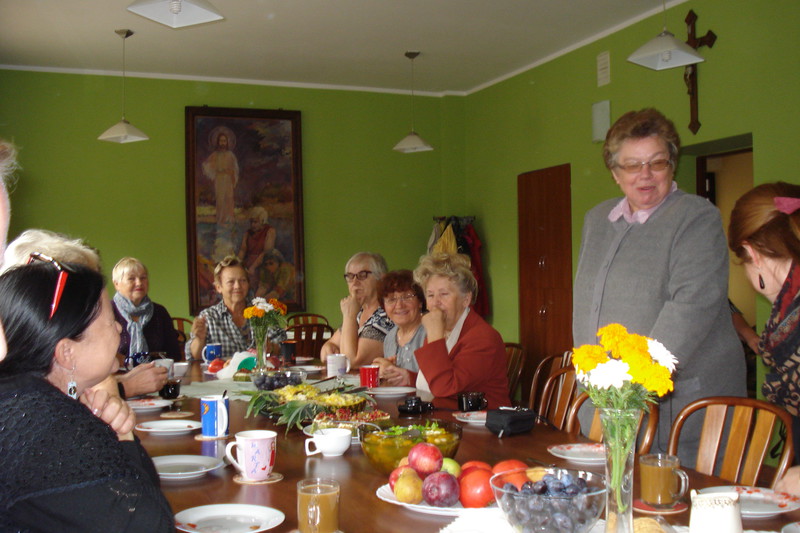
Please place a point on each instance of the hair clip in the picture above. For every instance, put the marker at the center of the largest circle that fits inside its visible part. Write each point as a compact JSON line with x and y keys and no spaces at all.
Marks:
{"x":786,"y":204}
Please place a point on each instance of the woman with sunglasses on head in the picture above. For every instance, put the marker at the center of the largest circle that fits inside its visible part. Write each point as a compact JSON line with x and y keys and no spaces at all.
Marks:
{"x":364,"y":322}
{"x":62,"y":341}
{"x":404,"y":302}
{"x":655,"y":261}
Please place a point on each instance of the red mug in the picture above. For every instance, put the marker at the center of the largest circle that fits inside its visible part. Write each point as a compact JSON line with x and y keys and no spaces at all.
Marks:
{"x":369,"y":376}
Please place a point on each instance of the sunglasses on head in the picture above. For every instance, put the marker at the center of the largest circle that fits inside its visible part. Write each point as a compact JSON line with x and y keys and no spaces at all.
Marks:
{"x":60,"y":282}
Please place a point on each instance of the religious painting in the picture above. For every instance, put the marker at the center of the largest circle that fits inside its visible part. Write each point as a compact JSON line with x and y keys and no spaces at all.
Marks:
{"x":244,"y":198}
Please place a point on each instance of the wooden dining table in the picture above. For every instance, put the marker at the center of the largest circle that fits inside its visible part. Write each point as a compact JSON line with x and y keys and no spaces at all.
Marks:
{"x":360,"y":509}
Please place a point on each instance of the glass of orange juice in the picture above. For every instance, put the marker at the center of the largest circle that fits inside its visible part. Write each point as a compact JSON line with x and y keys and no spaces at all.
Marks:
{"x":318,"y":505}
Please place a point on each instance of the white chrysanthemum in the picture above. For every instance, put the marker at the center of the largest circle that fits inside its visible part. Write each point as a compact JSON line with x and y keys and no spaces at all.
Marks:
{"x":262,"y":304}
{"x":611,"y":374}
{"x":661,"y":355}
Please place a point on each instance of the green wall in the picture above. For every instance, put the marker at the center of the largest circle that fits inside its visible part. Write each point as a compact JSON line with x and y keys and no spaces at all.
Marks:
{"x":358,"y":193}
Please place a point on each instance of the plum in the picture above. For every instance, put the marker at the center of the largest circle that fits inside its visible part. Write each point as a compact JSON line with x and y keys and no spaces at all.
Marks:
{"x":440,"y":489}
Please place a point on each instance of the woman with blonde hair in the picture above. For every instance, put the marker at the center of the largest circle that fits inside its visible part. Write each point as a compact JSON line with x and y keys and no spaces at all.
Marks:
{"x":462,"y":353}
{"x":146,"y":325}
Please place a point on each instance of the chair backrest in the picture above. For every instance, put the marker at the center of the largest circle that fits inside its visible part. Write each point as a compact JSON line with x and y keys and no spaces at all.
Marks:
{"x":183,"y":326}
{"x":305,"y":318}
{"x":546,"y":368}
{"x":557,"y":396}
{"x":748,"y":424}
{"x":595,"y":433}
{"x":309,"y":338}
{"x":515,"y":355}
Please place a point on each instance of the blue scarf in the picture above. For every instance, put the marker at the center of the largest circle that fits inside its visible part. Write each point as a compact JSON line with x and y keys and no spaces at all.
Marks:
{"x":144,"y":312}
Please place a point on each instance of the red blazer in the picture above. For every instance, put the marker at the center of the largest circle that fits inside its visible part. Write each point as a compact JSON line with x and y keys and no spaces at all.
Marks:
{"x":476,"y":363}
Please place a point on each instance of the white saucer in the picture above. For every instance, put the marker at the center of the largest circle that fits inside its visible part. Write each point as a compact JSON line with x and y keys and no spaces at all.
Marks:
{"x":228,"y":518}
{"x":148,"y":405}
{"x":581,"y":453}
{"x":169,"y":428}
{"x":183,"y":467}
{"x":390,"y":392}
{"x":471,"y":417}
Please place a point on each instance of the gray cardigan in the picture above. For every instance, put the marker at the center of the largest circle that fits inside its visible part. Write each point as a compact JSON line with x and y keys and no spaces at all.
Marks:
{"x":666,"y":279}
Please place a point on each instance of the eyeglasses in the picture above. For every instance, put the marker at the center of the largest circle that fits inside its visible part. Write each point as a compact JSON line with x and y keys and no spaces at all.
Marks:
{"x":60,"y":282}
{"x":656,"y":165}
{"x":360,"y":275}
{"x":397,"y":299}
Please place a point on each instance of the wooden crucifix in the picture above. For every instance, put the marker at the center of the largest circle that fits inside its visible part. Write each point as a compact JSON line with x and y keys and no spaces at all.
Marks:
{"x":690,"y":71}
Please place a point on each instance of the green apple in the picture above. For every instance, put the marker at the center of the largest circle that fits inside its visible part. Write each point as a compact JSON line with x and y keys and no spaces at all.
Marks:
{"x":451,"y":466}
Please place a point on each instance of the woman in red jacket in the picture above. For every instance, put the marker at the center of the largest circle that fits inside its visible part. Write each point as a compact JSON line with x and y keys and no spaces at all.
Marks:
{"x":462,"y":353}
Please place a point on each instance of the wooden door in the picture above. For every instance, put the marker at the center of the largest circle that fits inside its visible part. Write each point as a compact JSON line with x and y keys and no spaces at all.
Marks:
{"x":545,"y":266}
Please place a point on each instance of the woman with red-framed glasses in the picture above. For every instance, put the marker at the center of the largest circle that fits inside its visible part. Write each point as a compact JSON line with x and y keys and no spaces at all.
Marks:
{"x":62,"y":341}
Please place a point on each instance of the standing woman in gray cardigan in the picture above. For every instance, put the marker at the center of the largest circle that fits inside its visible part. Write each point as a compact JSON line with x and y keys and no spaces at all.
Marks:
{"x":656,"y":262}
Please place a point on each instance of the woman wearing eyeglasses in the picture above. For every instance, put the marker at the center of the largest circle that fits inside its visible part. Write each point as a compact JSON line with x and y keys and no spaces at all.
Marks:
{"x":404,"y":302}
{"x":656,"y":262}
{"x":364,"y":322}
{"x":62,"y":341}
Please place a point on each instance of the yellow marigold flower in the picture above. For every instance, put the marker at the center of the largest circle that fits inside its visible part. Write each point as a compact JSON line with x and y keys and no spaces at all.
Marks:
{"x":588,"y":356}
{"x":611,"y":336}
{"x":280,"y":306}
{"x":248,"y":313}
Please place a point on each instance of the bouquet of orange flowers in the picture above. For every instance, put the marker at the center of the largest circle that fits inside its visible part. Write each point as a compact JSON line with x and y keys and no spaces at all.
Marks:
{"x":626,"y":371}
{"x":266,"y":317}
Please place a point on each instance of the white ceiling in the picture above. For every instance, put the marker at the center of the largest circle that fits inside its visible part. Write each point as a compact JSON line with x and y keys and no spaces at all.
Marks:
{"x":465,"y":44}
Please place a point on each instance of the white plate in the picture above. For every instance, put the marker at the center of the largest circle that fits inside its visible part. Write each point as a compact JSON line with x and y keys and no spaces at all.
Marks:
{"x":794,"y":527}
{"x":169,"y":428}
{"x":757,"y":502}
{"x":148,"y":405}
{"x":301,"y":359}
{"x":388,"y":392}
{"x":582,"y":453}
{"x":180,"y":467}
{"x":353,"y":440}
{"x":471,"y":417}
{"x":386,"y":494}
{"x":309,"y":369}
{"x":228,"y":518}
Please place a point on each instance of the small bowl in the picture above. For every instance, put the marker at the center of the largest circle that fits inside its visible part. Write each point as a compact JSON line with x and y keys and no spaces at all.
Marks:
{"x":532,"y":500}
{"x":385,"y":451}
{"x":275,"y":379}
{"x":180,"y":369}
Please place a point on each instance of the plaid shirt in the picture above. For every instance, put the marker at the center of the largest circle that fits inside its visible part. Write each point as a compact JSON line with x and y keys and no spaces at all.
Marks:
{"x":222,"y":330}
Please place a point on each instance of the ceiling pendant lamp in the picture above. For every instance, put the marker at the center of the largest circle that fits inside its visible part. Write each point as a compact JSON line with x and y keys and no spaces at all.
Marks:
{"x":176,"y":13}
{"x":412,"y":142}
{"x":665,"y":51}
{"x":123,"y":131}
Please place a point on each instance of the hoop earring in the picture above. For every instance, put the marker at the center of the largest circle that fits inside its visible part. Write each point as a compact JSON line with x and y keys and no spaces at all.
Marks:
{"x":761,"y":282}
{"x":72,"y":386}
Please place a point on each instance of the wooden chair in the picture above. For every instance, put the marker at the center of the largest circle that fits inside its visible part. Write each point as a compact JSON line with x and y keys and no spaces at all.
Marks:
{"x":515,"y":355}
{"x":309,"y":338}
{"x":596,"y":430}
{"x":557,"y":396}
{"x":305,"y":318}
{"x":749,"y":425}
{"x":546,"y":368}
{"x":183,"y":326}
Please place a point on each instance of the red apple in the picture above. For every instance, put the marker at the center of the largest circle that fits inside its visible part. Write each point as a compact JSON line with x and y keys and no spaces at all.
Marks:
{"x":396,"y":473}
{"x":469,"y":466}
{"x":425,"y":458}
{"x":440,"y":489}
{"x":475,"y":489}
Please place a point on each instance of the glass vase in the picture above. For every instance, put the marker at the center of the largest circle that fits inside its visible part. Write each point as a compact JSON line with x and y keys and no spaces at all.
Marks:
{"x":261,"y":356}
{"x":620,"y":427}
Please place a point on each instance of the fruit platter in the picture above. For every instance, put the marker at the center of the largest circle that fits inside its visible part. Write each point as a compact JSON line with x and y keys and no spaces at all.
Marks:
{"x":295,"y":404}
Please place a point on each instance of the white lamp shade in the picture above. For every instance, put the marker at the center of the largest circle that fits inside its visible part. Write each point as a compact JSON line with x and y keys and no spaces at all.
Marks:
{"x":191,"y":12}
{"x":412,"y":143}
{"x":123,"y":132}
{"x":665,"y":51}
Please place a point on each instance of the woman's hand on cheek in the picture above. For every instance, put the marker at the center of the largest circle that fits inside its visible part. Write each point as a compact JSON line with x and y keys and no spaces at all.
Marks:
{"x":111,"y":409}
{"x":434,"y":322}
{"x":350,"y":307}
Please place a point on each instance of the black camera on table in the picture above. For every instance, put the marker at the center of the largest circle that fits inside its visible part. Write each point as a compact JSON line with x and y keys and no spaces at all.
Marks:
{"x":414,"y":406}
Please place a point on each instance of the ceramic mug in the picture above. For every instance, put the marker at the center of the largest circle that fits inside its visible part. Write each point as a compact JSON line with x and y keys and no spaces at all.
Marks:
{"x":166,"y":363}
{"x":135,"y":359}
{"x":211,"y":352}
{"x":338,"y":364}
{"x":472,"y":401}
{"x":330,"y":442}
{"x":214,"y":415}
{"x":256,"y":452}
{"x":718,"y":511}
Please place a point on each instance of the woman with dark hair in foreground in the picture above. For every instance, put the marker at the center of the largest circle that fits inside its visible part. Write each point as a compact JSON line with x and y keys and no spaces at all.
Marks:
{"x":63,"y":468}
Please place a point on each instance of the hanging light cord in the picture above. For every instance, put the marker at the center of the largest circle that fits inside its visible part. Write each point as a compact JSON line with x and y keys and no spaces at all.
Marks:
{"x":124,"y":38}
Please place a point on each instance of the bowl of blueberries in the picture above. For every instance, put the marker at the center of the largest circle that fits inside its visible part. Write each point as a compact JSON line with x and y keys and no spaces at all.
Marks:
{"x":275,"y":379}
{"x":550,"y":499}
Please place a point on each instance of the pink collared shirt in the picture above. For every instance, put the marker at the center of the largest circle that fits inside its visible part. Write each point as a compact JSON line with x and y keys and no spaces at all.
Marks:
{"x":623,"y":209}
